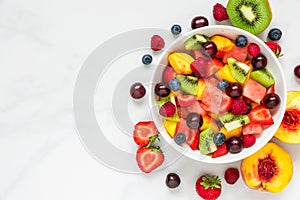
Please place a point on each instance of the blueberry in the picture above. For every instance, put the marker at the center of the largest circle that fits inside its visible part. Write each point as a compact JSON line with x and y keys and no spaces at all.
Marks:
{"x":274,"y":34}
{"x":241,"y":41}
{"x":179,"y":138}
{"x":223,"y":85}
{"x":147,"y":59}
{"x":219,"y":138}
{"x":174,"y":84}
{"x":176,"y":29}
{"x":249,"y":108}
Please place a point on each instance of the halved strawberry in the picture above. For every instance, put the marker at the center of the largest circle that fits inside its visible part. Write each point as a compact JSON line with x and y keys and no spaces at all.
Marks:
{"x":168,"y":74}
{"x":185,"y":100}
{"x":213,"y":66}
{"x":149,"y":158}
{"x":271,"y":89}
{"x":143,"y":132}
{"x":221,"y":151}
{"x":261,"y":115}
{"x":275,"y":47}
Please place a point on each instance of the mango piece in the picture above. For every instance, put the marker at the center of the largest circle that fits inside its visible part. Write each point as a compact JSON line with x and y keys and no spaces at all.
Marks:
{"x":235,"y":132}
{"x":223,"y":44}
{"x":209,"y":122}
{"x":289,"y":129}
{"x":270,"y":169}
{"x":170,"y":127}
{"x":201,"y":87}
{"x":181,"y":62}
{"x":225,"y":74}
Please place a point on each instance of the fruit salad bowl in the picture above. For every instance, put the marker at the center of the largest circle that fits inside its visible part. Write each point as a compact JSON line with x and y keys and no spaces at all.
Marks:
{"x":210,"y":112}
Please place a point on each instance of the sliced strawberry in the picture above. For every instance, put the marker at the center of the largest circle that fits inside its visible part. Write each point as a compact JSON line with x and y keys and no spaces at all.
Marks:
{"x":261,"y":115}
{"x":252,"y":128}
{"x":143,"y":131}
{"x":185,"y":100}
{"x":199,"y":66}
{"x":168,"y":74}
{"x":192,"y":136}
{"x":215,"y":100}
{"x":149,"y":158}
{"x":213,"y":66}
{"x":221,"y":151}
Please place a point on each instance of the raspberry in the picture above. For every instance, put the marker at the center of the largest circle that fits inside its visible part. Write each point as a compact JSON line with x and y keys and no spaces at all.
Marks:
{"x":253,"y":49}
{"x":219,"y":12}
{"x":157,"y":43}
{"x":231,"y":175}
{"x":248,"y":140}
{"x":167,"y":110}
{"x":239,"y":107}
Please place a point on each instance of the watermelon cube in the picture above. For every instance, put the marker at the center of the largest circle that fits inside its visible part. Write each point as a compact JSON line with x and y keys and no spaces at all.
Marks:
{"x":254,"y":91}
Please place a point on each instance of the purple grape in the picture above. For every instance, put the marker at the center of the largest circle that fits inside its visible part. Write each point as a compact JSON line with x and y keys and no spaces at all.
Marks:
{"x":271,"y":100}
{"x":209,"y":49}
{"x":259,"y":62}
{"x":194,"y":120}
{"x":198,"y":22}
{"x":162,"y":90}
{"x":137,"y":90}
{"x":235,"y":90}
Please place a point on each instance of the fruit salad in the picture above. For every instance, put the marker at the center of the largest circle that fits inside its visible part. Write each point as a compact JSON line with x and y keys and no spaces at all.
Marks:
{"x":217,"y":95}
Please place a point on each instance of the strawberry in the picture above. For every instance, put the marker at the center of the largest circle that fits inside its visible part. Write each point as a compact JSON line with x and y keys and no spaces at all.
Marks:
{"x":271,"y":89}
{"x":261,"y":115}
{"x":208,"y":187}
{"x":157,"y":43}
{"x":275,"y":47}
{"x":143,"y":132}
{"x":221,"y":151}
{"x":149,"y":158}
{"x":219,"y":12}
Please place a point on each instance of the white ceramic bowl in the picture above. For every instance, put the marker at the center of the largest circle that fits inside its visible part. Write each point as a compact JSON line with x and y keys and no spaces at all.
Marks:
{"x":274,"y":67}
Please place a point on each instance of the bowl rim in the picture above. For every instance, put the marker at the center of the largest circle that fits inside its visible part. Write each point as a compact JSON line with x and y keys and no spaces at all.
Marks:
{"x":185,"y":149}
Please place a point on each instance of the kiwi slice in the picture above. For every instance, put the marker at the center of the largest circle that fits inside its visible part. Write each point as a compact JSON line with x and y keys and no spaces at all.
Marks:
{"x":253,"y":16}
{"x":238,"y":70}
{"x":188,"y":84}
{"x":231,"y":121}
{"x":206,"y":144}
{"x":263,"y":76}
{"x":195,"y":41}
{"x":160,"y":103}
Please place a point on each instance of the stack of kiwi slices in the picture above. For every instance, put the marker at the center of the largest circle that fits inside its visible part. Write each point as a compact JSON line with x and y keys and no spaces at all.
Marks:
{"x":253,"y":16}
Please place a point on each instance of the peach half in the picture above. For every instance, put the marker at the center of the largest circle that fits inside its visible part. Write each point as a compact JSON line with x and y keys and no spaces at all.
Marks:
{"x":270,"y":169}
{"x":289,"y":129}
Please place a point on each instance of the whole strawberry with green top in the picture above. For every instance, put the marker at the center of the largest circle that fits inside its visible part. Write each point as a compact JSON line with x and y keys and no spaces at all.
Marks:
{"x":209,"y":187}
{"x":275,"y":47}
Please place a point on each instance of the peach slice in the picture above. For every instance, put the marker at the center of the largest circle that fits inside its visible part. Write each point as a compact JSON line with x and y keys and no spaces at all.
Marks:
{"x":289,"y":129}
{"x":269,"y":169}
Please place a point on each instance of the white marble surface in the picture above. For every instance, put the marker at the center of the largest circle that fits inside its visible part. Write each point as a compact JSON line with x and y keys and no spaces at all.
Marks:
{"x":43,"y":45}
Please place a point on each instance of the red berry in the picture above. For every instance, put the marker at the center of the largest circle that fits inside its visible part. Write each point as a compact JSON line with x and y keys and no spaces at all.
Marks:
{"x":239,"y":107}
{"x":219,"y":12}
{"x":167,"y":110}
{"x":248,"y":140}
{"x":221,"y":151}
{"x":275,"y":47}
{"x":231,"y":175}
{"x":157,"y":43}
{"x":253,"y":49}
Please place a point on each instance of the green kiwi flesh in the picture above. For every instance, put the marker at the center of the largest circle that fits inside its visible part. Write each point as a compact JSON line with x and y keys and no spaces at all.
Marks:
{"x":253,"y":16}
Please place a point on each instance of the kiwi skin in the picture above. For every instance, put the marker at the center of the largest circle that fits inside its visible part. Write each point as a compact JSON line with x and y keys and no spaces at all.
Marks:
{"x":262,"y":13}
